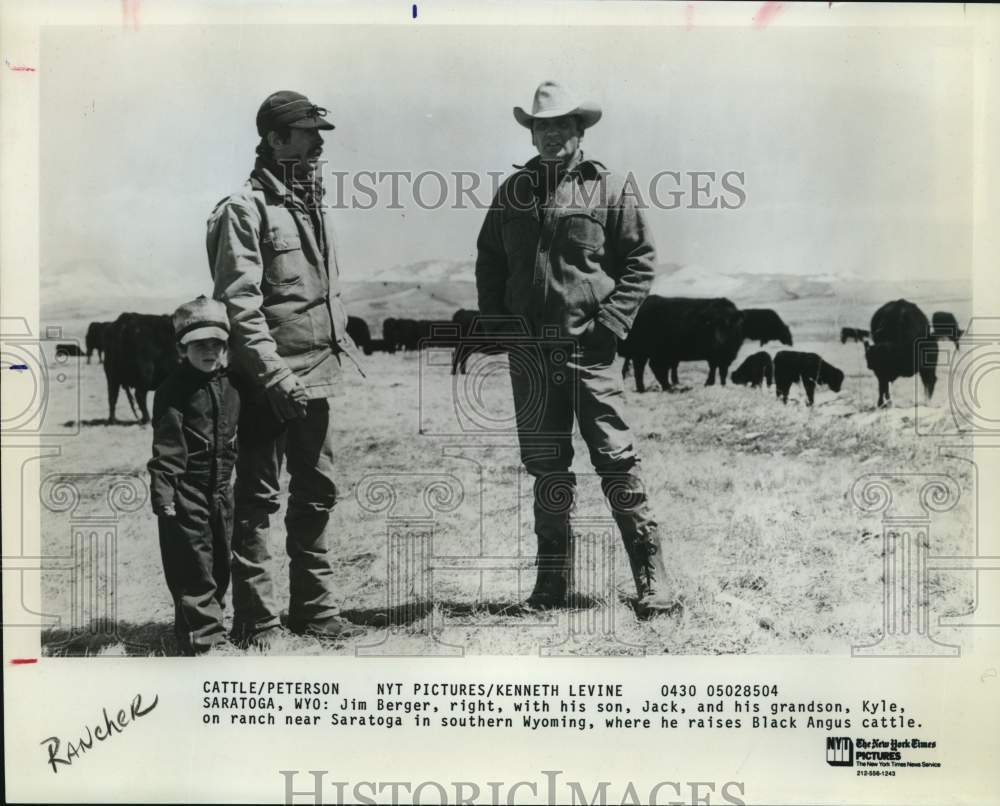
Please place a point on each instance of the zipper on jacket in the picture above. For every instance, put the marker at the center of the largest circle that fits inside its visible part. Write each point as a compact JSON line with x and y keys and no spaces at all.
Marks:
{"x":213,"y":473}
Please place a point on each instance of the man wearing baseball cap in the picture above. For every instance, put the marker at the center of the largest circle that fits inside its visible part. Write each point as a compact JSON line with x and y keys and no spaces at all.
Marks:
{"x":566,"y":251}
{"x":272,"y":258}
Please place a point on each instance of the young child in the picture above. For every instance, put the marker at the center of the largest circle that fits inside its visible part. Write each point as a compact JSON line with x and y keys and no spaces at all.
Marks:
{"x":195,"y":412}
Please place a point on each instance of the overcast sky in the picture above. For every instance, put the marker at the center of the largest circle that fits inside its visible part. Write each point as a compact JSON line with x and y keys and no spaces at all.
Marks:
{"x":855,"y":144}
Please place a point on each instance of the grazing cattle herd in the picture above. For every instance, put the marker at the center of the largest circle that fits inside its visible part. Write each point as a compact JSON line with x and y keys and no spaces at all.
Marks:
{"x":412,"y":334}
{"x":138,"y":350}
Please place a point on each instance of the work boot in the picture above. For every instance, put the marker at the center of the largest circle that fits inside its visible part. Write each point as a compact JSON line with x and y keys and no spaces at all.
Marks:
{"x":554,"y":496}
{"x":645,"y":554}
{"x":333,"y":628}
{"x":551,"y":585}
{"x":264,"y":640}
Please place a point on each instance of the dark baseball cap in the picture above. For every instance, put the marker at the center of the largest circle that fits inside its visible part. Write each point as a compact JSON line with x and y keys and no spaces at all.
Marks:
{"x":287,"y":109}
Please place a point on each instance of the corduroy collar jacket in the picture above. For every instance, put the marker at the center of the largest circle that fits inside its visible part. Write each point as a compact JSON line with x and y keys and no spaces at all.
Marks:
{"x":563,"y":260}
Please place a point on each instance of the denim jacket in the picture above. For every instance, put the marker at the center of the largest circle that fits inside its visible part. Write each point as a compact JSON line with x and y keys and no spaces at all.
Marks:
{"x":585,"y":256}
{"x":280,"y":284}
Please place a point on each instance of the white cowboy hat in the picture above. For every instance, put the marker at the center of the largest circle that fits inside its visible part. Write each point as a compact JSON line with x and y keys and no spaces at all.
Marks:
{"x":553,"y":100}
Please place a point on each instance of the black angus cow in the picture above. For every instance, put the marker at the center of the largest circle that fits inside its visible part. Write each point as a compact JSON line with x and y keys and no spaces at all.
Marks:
{"x":378,"y":346}
{"x":68,"y":350}
{"x":855,"y":333}
{"x":357,"y":329}
{"x":791,"y":366}
{"x":391,"y":335}
{"x":465,"y":318}
{"x":754,"y":371}
{"x":437,"y":333}
{"x":759,"y":324}
{"x":409,"y":334}
{"x":95,"y":339}
{"x":474,"y":337}
{"x":668,"y":330}
{"x":944,"y":325}
{"x":899,"y":330}
{"x":139,"y":352}
{"x":764,"y":325}
{"x":403,"y":334}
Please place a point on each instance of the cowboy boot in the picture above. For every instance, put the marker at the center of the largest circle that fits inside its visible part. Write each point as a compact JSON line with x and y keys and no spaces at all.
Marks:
{"x":554,"y":494}
{"x":552,"y":581}
{"x":627,"y":497}
{"x":645,"y":554}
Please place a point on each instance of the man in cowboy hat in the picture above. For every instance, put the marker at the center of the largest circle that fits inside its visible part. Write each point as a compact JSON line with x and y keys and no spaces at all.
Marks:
{"x":271,"y":254}
{"x":566,"y":251}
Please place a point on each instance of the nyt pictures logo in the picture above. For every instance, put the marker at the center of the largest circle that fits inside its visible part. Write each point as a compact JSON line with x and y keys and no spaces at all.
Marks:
{"x":839,"y":751}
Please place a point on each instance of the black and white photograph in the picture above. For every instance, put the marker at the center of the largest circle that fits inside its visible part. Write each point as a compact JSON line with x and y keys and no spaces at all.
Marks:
{"x":588,"y":338}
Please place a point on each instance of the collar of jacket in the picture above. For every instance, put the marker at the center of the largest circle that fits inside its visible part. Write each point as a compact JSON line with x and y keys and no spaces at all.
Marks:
{"x":587,"y":167}
{"x":196,"y":374}
{"x":263,"y":177}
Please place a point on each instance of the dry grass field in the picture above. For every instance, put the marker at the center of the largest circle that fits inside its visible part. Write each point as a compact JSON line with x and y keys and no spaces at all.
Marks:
{"x":768,"y":550}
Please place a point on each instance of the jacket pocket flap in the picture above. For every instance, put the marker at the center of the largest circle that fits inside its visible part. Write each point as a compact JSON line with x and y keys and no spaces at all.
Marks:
{"x":280,"y":242}
{"x":583,"y":230}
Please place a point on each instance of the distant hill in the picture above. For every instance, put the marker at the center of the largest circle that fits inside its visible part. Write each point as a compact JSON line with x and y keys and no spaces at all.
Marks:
{"x":430,"y":271}
{"x":436,"y":288}
{"x":375,"y":301}
{"x":443,"y":278}
{"x":695,"y":281}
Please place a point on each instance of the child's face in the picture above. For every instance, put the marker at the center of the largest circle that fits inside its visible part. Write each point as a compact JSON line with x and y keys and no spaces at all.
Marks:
{"x":207,"y":355}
